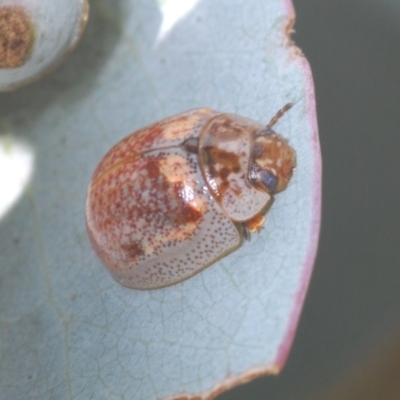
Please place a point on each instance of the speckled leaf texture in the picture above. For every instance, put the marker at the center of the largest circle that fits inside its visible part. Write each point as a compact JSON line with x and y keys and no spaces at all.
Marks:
{"x":67,"y":329}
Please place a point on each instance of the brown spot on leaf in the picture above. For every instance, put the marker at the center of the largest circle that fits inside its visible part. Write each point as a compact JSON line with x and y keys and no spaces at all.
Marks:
{"x":16,"y":36}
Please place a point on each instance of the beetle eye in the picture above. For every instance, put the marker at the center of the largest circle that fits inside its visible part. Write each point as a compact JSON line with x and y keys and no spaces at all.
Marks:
{"x":269,"y":180}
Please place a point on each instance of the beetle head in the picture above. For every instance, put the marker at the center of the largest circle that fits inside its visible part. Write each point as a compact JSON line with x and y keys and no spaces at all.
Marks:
{"x":272,"y":163}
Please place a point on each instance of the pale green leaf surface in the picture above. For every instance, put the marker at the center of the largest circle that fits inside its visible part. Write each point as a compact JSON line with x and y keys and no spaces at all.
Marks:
{"x":67,"y":329}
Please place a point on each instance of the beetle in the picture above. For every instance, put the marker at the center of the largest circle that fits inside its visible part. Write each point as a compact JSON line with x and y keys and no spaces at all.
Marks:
{"x":176,"y":196}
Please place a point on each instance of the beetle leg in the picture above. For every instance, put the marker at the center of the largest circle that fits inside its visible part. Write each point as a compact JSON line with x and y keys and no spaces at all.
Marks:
{"x":191,"y":145}
{"x":255,"y":224}
{"x":246,"y":231}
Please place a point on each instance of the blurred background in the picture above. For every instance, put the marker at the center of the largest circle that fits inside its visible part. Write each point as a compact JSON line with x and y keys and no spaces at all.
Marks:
{"x":352,"y":311}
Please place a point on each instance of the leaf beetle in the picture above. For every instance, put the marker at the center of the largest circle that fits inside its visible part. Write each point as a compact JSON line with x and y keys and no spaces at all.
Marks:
{"x":176,"y":196}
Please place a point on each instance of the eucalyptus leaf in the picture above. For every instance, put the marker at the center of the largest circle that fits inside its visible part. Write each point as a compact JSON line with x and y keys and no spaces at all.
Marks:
{"x":67,"y":329}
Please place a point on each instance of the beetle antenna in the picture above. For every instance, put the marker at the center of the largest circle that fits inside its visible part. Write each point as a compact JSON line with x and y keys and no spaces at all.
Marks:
{"x":279,"y":114}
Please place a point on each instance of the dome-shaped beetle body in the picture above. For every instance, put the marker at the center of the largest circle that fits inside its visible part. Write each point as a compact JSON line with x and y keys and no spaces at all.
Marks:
{"x":176,"y":196}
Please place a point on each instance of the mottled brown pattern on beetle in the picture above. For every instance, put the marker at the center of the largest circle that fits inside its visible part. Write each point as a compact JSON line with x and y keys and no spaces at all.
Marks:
{"x":133,"y":250}
{"x":258,"y":150}
{"x":183,"y":213}
{"x":226,"y":130}
{"x":222,"y":132}
{"x":144,"y":139}
{"x":127,"y":151}
{"x":162,"y":208}
{"x":16,"y":36}
{"x":230,"y":162}
{"x":272,"y":151}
